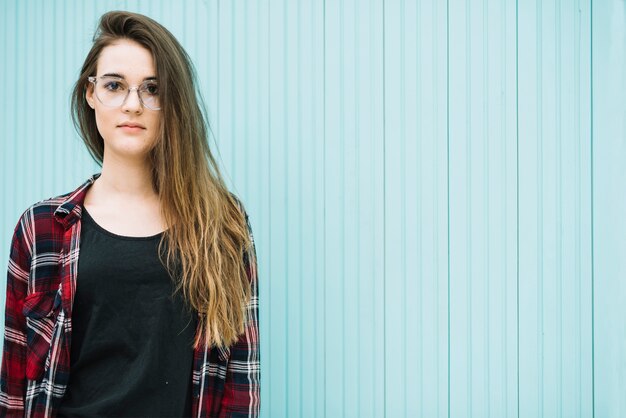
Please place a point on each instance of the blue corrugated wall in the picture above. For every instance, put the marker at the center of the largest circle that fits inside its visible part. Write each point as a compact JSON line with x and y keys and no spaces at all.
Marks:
{"x":436,"y":189}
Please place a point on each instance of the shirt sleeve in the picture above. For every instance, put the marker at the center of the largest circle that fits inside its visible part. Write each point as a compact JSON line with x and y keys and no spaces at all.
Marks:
{"x":13,"y":369}
{"x":242,"y":386}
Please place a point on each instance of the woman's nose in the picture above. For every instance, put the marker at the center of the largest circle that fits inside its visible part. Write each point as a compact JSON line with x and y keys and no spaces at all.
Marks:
{"x":133,"y":102}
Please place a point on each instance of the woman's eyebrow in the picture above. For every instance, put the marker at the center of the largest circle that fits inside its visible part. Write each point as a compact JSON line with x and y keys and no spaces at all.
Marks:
{"x":121,"y":76}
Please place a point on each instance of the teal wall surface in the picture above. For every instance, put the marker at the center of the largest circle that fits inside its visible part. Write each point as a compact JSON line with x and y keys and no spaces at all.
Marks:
{"x":436,"y":189}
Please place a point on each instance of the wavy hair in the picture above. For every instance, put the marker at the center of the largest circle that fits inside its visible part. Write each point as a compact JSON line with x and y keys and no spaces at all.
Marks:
{"x":208,"y":233}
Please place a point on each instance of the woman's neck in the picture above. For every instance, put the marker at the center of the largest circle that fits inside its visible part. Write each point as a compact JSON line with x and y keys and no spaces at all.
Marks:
{"x":126,"y":181}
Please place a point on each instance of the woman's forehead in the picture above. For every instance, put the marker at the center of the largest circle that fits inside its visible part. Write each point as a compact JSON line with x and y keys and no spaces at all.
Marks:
{"x":127,"y":59}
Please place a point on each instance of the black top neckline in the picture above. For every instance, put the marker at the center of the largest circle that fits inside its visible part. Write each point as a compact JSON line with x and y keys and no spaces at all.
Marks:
{"x":90,"y":219}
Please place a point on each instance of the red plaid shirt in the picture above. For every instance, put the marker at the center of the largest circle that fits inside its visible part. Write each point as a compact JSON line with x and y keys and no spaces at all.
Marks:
{"x":41,"y":283}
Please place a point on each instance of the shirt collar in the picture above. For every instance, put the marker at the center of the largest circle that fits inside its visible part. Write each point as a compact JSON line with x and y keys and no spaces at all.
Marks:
{"x":71,"y":210}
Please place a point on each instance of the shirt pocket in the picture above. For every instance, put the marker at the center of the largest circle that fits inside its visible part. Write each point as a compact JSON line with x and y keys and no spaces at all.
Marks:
{"x":41,"y":310}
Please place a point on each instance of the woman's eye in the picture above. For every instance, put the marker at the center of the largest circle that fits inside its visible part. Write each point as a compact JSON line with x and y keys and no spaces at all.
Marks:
{"x":113,"y":86}
{"x":152,"y":89}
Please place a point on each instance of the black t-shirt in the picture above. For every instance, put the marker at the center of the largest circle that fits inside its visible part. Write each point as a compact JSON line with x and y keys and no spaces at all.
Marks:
{"x":132,"y":342}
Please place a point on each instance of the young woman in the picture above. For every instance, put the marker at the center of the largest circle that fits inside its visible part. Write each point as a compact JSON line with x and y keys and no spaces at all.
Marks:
{"x":135,"y":294}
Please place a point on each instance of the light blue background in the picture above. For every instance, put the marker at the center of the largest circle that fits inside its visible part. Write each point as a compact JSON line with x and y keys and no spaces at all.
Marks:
{"x":436,"y":189}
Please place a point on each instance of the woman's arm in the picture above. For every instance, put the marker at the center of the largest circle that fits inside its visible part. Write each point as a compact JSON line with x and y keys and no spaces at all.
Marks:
{"x":242,"y":387}
{"x":13,"y":369}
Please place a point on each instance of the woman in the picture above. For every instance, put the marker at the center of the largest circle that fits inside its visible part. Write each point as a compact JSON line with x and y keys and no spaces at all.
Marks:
{"x":135,"y":294}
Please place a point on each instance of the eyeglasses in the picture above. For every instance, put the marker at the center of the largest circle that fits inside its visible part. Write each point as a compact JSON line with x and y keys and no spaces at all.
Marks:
{"x":113,"y":91}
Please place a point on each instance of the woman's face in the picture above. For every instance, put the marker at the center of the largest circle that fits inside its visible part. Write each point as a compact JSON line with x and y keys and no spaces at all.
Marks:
{"x":134,"y":64}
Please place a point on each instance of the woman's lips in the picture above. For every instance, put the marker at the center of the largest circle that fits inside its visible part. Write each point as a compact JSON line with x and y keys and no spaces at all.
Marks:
{"x":131,"y":129}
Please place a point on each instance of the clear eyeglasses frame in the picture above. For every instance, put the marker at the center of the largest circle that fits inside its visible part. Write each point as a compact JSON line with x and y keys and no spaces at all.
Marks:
{"x":114,"y":91}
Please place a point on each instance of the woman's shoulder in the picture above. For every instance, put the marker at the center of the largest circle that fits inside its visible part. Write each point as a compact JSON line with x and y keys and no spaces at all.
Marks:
{"x":42,"y":212}
{"x":43,"y":209}
{"x":239,"y":204}
{"x":48,"y":204}
{"x":37,"y":225}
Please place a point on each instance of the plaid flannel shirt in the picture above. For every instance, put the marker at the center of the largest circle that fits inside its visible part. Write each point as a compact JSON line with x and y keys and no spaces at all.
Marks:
{"x":41,"y":283}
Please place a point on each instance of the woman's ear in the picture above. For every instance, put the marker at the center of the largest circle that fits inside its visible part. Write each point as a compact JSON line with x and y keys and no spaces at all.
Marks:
{"x":89,"y":96}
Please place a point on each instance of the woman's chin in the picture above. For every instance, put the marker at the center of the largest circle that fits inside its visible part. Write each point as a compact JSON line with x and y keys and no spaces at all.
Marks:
{"x":132,"y":152}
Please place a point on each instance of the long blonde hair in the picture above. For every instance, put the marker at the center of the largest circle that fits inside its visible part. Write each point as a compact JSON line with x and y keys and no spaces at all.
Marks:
{"x":208,"y":234}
